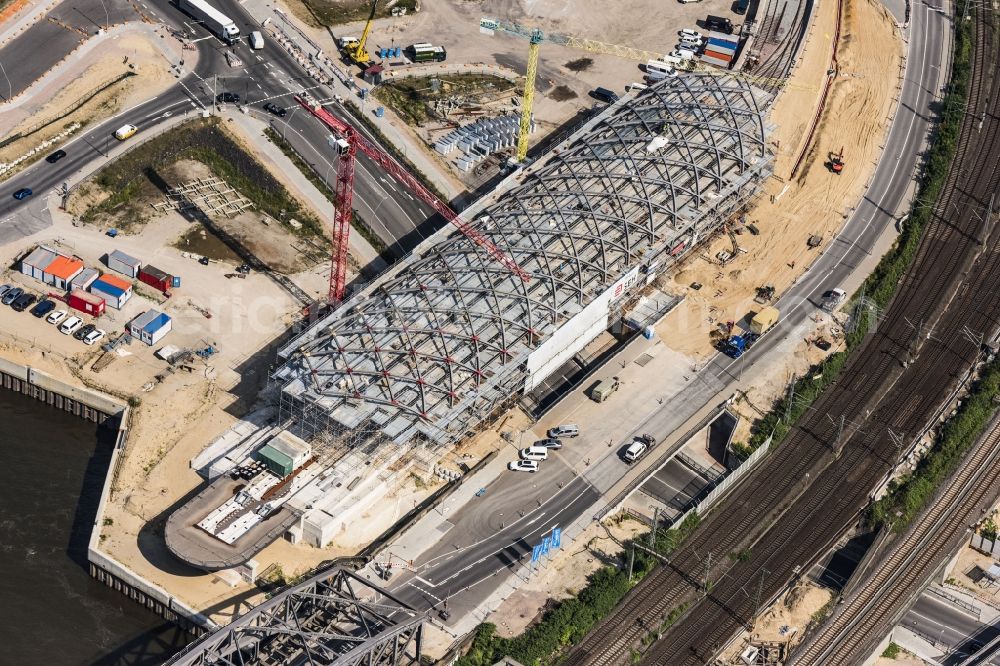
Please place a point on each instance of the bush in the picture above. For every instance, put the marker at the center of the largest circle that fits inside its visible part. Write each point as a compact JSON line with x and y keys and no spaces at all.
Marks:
{"x":905,"y":499}
{"x":891,"y":651}
{"x":570,"y":620}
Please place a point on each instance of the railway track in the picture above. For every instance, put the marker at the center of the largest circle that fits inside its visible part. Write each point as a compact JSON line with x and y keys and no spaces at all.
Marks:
{"x":778,"y":62}
{"x":807,"y":515}
{"x":882,"y":596}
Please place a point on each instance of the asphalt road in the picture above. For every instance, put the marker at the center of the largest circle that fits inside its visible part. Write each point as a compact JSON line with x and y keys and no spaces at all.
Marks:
{"x":25,"y":59}
{"x":950,"y":627}
{"x":514,"y":493}
{"x":269,"y":74}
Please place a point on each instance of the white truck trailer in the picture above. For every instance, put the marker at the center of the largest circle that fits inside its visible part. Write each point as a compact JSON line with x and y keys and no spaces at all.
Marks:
{"x":220,"y":24}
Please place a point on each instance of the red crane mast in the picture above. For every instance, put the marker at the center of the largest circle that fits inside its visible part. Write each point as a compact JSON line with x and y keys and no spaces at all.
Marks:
{"x":355,"y":141}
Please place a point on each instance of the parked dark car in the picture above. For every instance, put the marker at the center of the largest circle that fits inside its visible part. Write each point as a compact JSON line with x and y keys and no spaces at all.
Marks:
{"x":605,"y":95}
{"x":44,"y":307}
{"x":12,"y":295}
{"x":275,"y":109}
{"x":23,"y":193}
{"x":741,"y":6}
{"x":228,"y":98}
{"x":23,"y":301}
{"x":56,"y":156}
{"x":550,"y":443}
{"x":83,"y":331}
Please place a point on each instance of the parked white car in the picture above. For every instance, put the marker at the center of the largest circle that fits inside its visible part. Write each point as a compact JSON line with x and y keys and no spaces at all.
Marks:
{"x":689,"y":35}
{"x":93,"y":336}
{"x":537,"y":453}
{"x":523,"y":466}
{"x":681,"y":54}
{"x":690,"y":44}
{"x":56,"y":316}
{"x":69,"y":326}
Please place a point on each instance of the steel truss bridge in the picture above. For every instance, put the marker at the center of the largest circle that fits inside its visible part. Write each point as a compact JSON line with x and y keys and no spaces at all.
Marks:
{"x":335,"y":617}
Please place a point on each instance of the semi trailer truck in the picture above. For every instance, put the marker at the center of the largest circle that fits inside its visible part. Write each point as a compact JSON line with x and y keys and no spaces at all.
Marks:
{"x":220,"y":24}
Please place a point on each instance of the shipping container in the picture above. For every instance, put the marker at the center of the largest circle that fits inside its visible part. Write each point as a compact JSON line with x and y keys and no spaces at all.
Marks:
{"x":718,"y":56}
{"x":61,"y":271}
{"x":150,"y":326}
{"x":91,"y":304}
{"x":37,"y":261}
{"x":123,"y":263}
{"x":155,"y":278}
{"x":84,"y":279}
{"x":114,"y":290}
{"x":722,"y":45}
{"x":718,"y":62}
{"x":764,"y":320}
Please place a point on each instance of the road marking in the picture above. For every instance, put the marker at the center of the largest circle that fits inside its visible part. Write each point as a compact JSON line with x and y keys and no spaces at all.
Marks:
{"x":424,"y":581}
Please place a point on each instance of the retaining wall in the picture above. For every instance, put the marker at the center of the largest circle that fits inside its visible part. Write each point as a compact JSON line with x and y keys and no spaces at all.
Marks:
{"x":34,"y":383}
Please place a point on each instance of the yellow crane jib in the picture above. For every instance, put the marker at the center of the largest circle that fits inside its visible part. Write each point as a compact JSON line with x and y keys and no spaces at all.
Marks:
{"x":358,"y":52}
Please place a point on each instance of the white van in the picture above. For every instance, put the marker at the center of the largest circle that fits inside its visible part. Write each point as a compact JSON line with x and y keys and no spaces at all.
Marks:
{"x":256,"y":40}
{"x":636,"y":87}
{"x":564,"y":431}
{"x":657,"y":70}
{"x":536,"y":453}
{"x":681,"y":54}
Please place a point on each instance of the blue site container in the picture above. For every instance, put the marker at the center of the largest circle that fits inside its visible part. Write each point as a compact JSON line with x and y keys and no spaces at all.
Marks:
{"x":399,"y":51}
{"x":379,"y":112}
{"x":175,"y":281}
{"x":381,"y":52}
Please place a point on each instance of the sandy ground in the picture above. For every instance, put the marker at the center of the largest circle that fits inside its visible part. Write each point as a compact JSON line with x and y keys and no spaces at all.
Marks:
{"x":783,"y":622}
{"x":60,"y":89}
{"x":629,"y":25}
{"x":817,"y":201}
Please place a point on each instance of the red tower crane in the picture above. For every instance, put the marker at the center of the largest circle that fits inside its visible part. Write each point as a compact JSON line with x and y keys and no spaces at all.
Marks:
{"x":352,"y":141}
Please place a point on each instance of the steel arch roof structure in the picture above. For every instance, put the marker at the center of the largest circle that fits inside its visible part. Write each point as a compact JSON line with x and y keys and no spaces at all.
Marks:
{"x":443,"y":338}
{"x":335,"y":618}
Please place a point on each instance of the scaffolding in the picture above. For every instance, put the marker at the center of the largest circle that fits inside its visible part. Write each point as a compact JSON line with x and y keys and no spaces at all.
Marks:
{"x":442,"y":341}
{"x":210,"y":195}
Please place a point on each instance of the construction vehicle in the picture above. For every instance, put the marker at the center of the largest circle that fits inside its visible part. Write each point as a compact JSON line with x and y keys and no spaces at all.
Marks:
{"x":762,"y":322}
{"x":836,"y":163}
{"x":535,"y":36}
{"x":604,"y":389}
{"x":356,"y":50}
{"x":347,"y":145}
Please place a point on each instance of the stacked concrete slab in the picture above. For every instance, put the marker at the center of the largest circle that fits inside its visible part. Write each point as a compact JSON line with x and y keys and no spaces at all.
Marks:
{"x":481,"y":138}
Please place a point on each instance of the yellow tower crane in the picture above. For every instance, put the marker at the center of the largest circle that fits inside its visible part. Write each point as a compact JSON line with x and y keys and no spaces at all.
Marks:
{"x":535,"y":36}
{"x":357,"y":51}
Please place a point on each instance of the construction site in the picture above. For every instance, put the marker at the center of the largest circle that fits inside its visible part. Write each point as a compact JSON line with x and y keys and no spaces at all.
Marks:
{"x":314,"y":404}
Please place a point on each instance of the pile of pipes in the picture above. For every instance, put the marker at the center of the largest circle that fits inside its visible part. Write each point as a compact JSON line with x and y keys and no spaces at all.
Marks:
{"x":481,"y":138}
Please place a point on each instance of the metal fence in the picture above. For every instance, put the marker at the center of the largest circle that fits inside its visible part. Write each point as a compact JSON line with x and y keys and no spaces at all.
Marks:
{"x":726,"y":484}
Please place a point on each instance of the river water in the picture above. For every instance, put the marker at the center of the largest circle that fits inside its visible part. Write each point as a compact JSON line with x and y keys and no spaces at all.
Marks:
{"x":51,"y":612}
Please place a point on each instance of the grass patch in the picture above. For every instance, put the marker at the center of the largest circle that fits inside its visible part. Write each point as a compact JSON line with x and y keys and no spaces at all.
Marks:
{"x":906,"y":498}
{"x":306,"y":169}
{"x":891,"y":651}
{"x":569,"y":621}
{"x":412,"y":99}
{"x":134,"y":178}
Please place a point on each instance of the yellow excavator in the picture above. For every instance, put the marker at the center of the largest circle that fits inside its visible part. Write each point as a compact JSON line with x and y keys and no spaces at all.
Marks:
{"x":356,"y":51}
